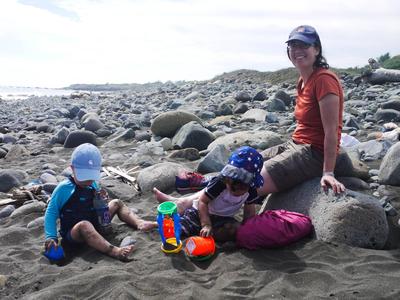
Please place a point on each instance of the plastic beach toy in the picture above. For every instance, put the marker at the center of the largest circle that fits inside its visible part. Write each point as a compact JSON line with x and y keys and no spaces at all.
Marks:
{"x":54,"y":253}
{"x":200,"y":248}
{"x":169,"y":227}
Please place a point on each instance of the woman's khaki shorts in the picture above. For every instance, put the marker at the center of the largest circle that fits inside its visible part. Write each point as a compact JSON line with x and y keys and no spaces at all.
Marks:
{"x":290,"y":164}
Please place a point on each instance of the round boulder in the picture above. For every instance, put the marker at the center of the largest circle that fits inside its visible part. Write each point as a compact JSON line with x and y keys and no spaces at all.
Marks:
{"x":193,"y":135}
{"x":257,"y":139}
{"x":161,"y":176}
{"x":389,"y":171}
{"x":352,"y":218}
{"x":11,"y":178}
{"x":78,"y":137}
{"x":166,"y":124}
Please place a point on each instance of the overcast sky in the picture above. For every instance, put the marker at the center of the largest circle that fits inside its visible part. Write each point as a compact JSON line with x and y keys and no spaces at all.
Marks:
{"x":54,"y":43}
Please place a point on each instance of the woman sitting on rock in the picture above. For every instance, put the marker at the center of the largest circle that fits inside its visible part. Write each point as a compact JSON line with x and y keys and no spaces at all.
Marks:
{"x":313,"y":150}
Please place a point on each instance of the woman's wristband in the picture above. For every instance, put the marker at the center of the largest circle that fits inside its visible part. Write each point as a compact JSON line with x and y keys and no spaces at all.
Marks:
{"x":328,"y":174}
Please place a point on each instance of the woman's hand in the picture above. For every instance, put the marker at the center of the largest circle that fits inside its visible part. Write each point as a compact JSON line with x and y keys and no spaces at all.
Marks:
{"x":329,"y":180}
{"x":206,"y":230}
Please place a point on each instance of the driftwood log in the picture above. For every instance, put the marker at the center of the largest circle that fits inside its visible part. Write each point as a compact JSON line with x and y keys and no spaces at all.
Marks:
{"x":381,"y":76}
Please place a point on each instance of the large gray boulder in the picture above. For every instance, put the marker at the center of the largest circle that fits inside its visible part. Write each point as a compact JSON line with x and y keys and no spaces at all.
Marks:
{"x":11,"y":178}
{"x":215,"y":160}
{"x":389,"y":171}
{"x":257,"y":139}
{"x":93,"y":124}
{"x":26,"y":209}
{"x":193,"y":135}
{"x":166,"y":124}
{"x":78,"y":137}
{"x":15,"y":152}
{"x":60,"y":136}
{"x":257,"y":114}
{"x":387,"y":115}
{"x":352,"y":218}
{"x":161,"y":176}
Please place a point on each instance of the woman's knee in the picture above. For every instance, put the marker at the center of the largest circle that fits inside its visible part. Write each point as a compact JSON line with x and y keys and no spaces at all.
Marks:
{"x":269,"y":185}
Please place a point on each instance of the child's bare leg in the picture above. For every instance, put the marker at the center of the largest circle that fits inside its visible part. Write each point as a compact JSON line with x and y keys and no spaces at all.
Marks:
{"x":84,"y":231}
{"x":182,"y":203}
{"x":116,"y":206}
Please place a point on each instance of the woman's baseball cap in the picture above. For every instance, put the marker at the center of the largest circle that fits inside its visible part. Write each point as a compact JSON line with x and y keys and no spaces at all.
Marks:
{"x":304,"y":33}
{"x":86,"y":160}
{"x":245,"y":166}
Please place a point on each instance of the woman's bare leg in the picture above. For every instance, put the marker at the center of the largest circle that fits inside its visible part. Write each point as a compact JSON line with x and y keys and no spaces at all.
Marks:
{"x":269,"y":185}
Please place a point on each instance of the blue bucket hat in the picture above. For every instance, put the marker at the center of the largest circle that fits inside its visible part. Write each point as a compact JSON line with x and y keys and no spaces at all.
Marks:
{"x":86,"y":160}
{"x":304,"y":33}
{"x":245,"y":165}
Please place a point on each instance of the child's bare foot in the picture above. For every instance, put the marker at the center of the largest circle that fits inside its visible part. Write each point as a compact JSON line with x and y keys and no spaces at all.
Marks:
{"x":122,"y":253}
{"x":146,"y":225}
{"x":162,"y":197}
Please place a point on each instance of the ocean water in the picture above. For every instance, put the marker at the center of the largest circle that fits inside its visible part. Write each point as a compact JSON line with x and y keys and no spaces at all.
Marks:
{"x":15,"y":93}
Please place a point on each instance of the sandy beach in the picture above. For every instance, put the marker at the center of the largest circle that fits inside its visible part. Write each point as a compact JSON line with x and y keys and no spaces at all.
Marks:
{"x":308,"y":269}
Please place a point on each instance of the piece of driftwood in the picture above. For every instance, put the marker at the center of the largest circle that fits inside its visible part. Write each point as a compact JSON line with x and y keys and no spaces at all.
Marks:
{"x":8,"y":201}
{"x":381,"y":76}
{"x":120,"y":173}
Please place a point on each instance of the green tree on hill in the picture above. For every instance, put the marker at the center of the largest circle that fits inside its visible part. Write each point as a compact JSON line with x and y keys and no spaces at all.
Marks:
{"x":381,"y":59}
{"x":392,"y":63}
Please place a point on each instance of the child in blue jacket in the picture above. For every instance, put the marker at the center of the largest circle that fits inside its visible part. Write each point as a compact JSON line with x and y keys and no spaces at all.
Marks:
{"x":72,"y":203}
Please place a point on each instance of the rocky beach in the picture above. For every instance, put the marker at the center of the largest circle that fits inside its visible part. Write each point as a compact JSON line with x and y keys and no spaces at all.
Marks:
{"x":149,"y":133}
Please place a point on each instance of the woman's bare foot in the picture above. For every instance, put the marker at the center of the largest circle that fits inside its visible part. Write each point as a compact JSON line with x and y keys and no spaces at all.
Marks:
{"x":162,"y":197}
{"x":146,"y":225}
{"x":122,"y":253}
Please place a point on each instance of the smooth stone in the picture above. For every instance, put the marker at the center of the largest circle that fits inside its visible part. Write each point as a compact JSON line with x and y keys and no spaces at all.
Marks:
{"x":38,"y":222}
{"x":6,"y":211}
{"x":127,"y":241}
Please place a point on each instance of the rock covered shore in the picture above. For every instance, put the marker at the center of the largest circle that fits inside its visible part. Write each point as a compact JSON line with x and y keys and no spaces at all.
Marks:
{"x":194,"y":125}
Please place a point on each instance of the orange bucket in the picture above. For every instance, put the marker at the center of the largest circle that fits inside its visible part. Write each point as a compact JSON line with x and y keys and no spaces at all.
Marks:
{"x":200,"y":246}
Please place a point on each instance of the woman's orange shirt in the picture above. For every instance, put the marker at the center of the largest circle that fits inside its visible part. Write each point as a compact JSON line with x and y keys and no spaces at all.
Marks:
{"x":309,"y":129}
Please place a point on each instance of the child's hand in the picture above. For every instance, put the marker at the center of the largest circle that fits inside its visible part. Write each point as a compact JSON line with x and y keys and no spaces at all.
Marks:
{"x":103,"y":193}
{"x":206,"y":231}
{"x":50,"y":242}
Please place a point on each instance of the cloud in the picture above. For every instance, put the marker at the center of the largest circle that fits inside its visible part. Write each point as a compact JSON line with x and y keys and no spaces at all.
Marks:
{"x":52,"y":7}
{"x":56,"y":43}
